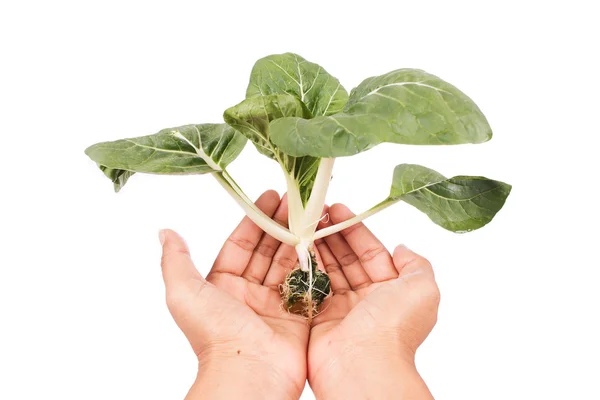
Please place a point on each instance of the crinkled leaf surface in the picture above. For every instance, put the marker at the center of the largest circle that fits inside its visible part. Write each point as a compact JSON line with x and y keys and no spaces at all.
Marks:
{"x":252,"y":118}
{"x":405,"y":106}
{"x":459,"y":204}
{"x":289,"y":73}
{"x":286,"y":85}
{"x":188,"y":149}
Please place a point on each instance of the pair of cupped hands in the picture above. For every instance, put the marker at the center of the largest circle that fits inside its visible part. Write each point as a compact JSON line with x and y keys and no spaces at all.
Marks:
{"x":361,"y":346}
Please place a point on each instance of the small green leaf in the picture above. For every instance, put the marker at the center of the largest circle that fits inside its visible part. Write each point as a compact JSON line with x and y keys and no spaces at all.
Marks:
{"x":459,"y":204}
{"x":189,"y":149}
{"x":291,"y":74}
{"x":252,"y":117}
{"x":119,"y":177}
{"x":405,"y":106}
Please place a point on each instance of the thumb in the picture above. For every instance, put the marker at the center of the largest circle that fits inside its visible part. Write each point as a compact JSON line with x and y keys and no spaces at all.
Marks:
{"x":178,"y":270}
{"x":182,"y":283}
{"x":409,"y":263}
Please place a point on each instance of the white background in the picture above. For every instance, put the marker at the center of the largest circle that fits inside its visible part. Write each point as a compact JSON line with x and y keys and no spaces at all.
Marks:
{"x":82,"y":309}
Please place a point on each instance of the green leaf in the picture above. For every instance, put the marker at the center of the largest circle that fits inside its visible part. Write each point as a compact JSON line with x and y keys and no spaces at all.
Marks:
{"x":119,"y":177}
{"x":188,"y":149}
{"x":310,"y":83}
{"x":405,"y":106}
{"x":459,"y":204}
{"x":282,"y":86}
{"x":252,"y":118}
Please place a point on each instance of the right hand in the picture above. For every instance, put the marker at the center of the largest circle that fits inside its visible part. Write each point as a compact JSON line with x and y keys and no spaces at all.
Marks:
{"x":383,"y":307}
{"x":247,"y":347}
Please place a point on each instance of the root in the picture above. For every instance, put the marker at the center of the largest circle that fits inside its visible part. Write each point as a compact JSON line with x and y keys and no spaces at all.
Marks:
{"x":303,"y":292}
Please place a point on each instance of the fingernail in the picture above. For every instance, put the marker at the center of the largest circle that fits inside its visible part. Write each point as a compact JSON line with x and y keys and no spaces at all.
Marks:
{"x":161,"y":237}
{"x":403,"y":245}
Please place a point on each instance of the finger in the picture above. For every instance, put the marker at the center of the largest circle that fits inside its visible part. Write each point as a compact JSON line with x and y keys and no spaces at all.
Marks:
{"x":330,"y":263}
{"x":237,"y":250}
{"x":185,"y":289}
{"x":284,"y":261}
{"x":177,"y":267}
{"x":407,"y":262}
{"x":261,"y":259}
{"x":348,"y":260}
{"x":372,"y":254}
{"x":418,"y":280}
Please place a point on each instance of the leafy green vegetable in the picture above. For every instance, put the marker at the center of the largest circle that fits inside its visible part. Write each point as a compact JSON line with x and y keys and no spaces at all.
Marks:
{"x":286,"y":85}
{"x":459,"y":204}
{"x":300,"y":116}
{"x":405,"y":106}
{"x":189,"y":149}
{"x":252,"y":117}
{"x":310,"y":83}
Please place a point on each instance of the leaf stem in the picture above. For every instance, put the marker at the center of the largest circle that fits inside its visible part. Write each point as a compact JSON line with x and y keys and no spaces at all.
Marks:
{"x":295,"y":208}
{"x":254,"y":213}
{"x":352,"y":221}
{"x":316,"y":202}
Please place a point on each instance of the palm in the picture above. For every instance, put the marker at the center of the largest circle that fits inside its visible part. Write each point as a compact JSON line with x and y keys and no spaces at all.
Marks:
{"x":368,"y":298}
{"x":348,"y":315}
{"x":254,"y":316}
{"x":246,"y":276}
{"x":340,"y":306}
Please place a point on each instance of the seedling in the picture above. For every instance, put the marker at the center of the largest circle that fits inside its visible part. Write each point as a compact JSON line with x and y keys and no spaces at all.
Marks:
{"x":301,"y":117}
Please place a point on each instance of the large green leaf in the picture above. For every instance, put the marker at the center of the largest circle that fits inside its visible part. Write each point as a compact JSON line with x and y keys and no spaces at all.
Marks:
{"x":253,"y":116}
{"x":405,"y":106}
{"x":459,"y":204}
{"x":289,"y":73}
{"x":188,"y":149}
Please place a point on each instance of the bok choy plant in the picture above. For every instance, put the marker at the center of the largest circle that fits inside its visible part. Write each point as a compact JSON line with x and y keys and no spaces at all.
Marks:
{"x":302,"y":117}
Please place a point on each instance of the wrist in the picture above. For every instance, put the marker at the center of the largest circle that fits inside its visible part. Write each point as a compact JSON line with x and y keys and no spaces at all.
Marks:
{"x":240,"y":377}
{"x":376,"y":369}
{"x":398,"y":381}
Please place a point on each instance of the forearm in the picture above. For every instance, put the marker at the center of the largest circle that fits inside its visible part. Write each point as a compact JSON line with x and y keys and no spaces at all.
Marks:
{"x":241,"y":381}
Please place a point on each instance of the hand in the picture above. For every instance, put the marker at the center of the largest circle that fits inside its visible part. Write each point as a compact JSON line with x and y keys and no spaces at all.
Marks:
{"x":383,"y":307}
{"x":246,"y":346}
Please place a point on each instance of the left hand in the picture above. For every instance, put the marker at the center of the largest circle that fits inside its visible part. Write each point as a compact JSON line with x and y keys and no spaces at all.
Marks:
{"x":383,"y":307}
{"x":246,"y":346}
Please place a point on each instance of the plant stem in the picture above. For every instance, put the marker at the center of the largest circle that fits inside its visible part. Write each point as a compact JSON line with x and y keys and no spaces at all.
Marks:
{"x":316,"y":202}
{"x":303,"y":220}
{"x":295,"y":208}
{"x":254,"y":213}
{"x":352,"y":221}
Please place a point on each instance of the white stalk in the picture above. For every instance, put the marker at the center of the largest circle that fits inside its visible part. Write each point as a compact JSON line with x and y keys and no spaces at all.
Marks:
{"x":254,"y":213}
{"x":352,"y":221}
{"x":303,"y":221}
{"x":316,"y":202}
{"x":303,"y":256}
{"x":295,"y":208}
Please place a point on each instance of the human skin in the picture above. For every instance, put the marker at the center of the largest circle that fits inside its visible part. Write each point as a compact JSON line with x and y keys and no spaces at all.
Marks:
{"x":383,"y":307}
{"x":247,"y":347}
